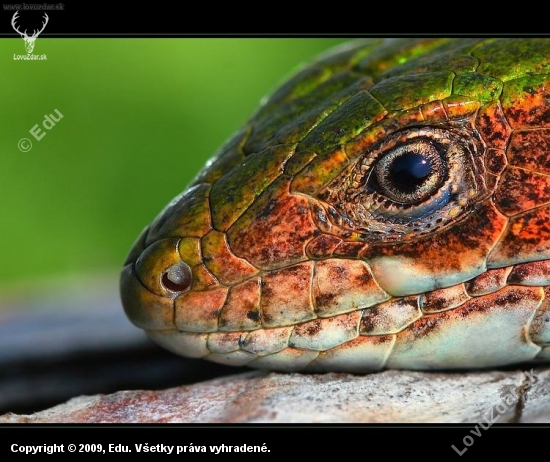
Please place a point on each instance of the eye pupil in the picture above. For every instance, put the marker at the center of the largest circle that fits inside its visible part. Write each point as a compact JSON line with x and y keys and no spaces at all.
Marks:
{"x":408,"y":171}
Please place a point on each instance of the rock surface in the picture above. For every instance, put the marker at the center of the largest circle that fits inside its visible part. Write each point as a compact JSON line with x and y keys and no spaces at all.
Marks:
{"x":512,"y":396}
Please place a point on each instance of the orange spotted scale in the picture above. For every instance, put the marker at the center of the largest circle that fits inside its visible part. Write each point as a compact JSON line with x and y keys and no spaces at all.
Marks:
{"x":387,"y":207}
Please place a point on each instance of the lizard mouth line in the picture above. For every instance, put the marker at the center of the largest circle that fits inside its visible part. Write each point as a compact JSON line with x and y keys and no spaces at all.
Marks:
{"x":386,"y":327}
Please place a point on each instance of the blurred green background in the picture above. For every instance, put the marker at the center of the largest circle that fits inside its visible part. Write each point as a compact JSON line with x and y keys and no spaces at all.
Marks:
{"x":140,"y":118}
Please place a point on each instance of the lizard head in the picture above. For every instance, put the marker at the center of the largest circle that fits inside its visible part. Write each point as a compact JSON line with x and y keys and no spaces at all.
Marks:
{"x":389,"y":206}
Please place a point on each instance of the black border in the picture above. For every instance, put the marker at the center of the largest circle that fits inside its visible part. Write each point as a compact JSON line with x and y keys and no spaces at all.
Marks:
{"x":111,"y":20}
{"x":344,"y":441}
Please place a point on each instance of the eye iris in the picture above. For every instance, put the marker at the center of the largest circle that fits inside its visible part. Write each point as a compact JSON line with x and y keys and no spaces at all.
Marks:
{"x":408,"y":171}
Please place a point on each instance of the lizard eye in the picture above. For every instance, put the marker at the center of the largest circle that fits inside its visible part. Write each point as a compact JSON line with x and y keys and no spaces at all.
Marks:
{"x":411,"y":183}
{"x":410,"y":173}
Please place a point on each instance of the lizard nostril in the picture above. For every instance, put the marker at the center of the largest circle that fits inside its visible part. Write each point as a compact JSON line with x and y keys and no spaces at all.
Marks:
{"x":177,"y":277}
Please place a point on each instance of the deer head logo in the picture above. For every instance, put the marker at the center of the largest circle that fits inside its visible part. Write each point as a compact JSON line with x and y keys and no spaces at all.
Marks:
{"x":29,"y":41}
